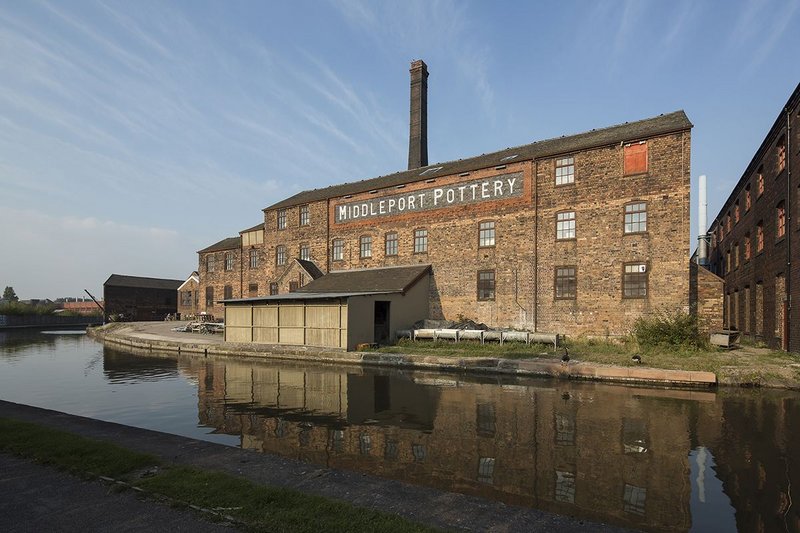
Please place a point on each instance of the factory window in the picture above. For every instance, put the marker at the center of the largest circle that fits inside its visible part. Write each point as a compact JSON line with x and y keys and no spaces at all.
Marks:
{"x":636,"y":218}
{"x":747,"y":200}
{"x":736,"y":255}
{"x":252,"y":289}
{"x":566,"y":283}
{"x":635,"y":159}
{"x":227,"y":292}
{"x":281,"y":218}
{"x":486,"y":285}
{"x":209,"y":296}
{"x":293,"y":286}
{"x":748,"y":251}
{"x":565,"y":225}
{"x":781,"y":154}
{"x":365,"y":246}
{"x":253,"y":258}
{"x":486,"y":234}
{"x":565,"y":487}
{"x":228,"y":261}
{"x":305,"y":252}
{"x":634,"y":280}
{"x":273,"y":289}
{"x":728,"y":223}
{"x":420,"y":241}
{"x":736,"y":212}
{"x":186,"y":298}
{"x":391,"y":243}
{"x":304,"y":219}
{"x":211,"y":263}
{"x":634,"y":499}
{"x":760,"y":236}
{"x":338,"y":249}
{"x":781,"y":214}
{"x":760,"y":180}
{"x":565,"y":170}
{"x":728,"y":261}
{"x":280,"y":255}
{"x":486,"y":469}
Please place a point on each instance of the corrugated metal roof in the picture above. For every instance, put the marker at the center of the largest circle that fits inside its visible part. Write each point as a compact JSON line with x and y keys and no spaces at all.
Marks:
{"x":118,"y":280}
{"x":225,"y":244}
{"x":629,"y":131}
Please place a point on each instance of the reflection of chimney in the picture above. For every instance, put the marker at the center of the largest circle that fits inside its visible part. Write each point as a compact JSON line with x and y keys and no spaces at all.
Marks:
{"x":418,"y":137}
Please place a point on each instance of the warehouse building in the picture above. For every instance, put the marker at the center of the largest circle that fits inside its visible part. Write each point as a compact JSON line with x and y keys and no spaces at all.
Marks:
{"x":580,"y":234}
{"x":137,"y":298}
{"x":754,"y":239}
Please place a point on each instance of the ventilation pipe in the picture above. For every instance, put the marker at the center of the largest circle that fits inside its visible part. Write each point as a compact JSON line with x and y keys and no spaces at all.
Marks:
{"x":702,"y":225}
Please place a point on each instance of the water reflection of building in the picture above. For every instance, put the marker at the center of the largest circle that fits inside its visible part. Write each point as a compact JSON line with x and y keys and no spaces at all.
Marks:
{"x":621,"y":457}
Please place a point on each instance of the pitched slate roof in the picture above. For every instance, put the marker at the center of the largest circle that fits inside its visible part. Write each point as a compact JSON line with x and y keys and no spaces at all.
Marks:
{"x":629,"y":131}
{"x":118,"y":280}
{"x":225,"y":244}
{"x":311,"y":267}
{"x":371,"y":280}
{"x":257,"y":226}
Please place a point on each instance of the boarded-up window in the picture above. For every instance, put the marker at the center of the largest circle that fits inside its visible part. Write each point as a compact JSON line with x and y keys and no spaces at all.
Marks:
{"x":273,"y":289}
{"x":252,"y":288}
{"x":636,"y":158}
{"x":209,"y":296}
{"x":759,"y":308}
{"x":228,"y":292}
{"x":780,"y":295}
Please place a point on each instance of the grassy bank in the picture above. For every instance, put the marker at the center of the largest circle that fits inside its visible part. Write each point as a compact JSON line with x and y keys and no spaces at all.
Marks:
{"x":260,"y":507}
{"x":748,"y":364}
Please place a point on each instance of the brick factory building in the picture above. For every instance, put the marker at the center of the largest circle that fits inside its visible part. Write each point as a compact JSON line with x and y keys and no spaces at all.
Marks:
{"x":580,"y":234}
{"x":754,"y":239}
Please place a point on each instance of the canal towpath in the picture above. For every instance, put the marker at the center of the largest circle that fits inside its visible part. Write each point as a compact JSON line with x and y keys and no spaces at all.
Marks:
{"x":40,"y":498}
{"x":159,"y":336}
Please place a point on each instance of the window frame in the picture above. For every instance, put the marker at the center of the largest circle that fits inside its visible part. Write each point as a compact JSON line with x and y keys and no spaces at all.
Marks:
{"x":273,"y":288}
{"x":304,"y":216}
{"x":211,"y":263}
{"x":281,"y":219}
{"x":483,"y":234}
{"x":209,"y":296}
{"x":252,"y":288}
{"x":625,"y":215}
{"x":574,"y":225}
{"x":365,"y":247}
{"x":760,"y":182}
{"x":748,"y":247}
{"x":780,"y":163}
{"x":337,"y":245}
{"x":760,"y":236}
{"x":391,"y":238}
{"x":253,"y":258}
{"x":780,"y":219}
{"x":228,"y":261}
{"x":486,"y":287}
{"x":305,"y":252}
{"x":281,"y":255}
{"x":421,"y":241}
{"x":566,"y":178}
{"x":227,"y":292}
{"x":748,"y":201}
{"x":646,"y":276}
{"x":565,"y":282}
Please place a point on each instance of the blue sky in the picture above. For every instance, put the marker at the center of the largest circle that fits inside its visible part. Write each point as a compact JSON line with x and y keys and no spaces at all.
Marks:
{"x":133,"y":134}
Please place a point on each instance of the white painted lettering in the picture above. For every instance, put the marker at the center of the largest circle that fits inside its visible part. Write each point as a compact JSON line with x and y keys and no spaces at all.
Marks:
{"x":511,"y":182}
{"x":485,"y":189}
{"x":437,"y":193}
{"x":474,"y":186}
{"x":342,"y":212}
{"x":356,"y":212}
{"x":372,"y":211}
{"x":411,"y":201}
{"x":498,"y":188}
{"x":392,"y":201}
{"x":401,"y":204}
{"x":451,"y":196}
{"x":461,"y":193}
{"x":421,"y":197}
{"x":382,"y":206}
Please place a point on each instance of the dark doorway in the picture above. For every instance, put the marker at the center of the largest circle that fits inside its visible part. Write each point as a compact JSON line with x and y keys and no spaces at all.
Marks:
{"x":381,"y":322}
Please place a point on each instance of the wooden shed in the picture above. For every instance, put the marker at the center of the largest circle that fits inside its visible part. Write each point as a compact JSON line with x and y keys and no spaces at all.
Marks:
{"x":338,"y":310}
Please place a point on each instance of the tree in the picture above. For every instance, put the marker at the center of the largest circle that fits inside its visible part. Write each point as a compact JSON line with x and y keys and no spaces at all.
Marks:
{"x":10,"y":295}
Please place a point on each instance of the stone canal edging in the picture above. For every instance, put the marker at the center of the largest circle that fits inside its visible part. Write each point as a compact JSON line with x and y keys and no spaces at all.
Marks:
{"x":142,"y":340}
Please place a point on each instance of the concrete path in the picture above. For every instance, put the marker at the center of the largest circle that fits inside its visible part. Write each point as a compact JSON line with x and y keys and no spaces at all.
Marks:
{"x":39,"y":498}
{"x":424,"y":505}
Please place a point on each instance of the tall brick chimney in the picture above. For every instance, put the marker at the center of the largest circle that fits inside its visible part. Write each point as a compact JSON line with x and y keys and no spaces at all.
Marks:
{"x":418,"y":125}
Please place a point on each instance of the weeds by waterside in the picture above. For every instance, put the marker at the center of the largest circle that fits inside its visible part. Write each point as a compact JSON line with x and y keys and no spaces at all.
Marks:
{"x":260,"y":507}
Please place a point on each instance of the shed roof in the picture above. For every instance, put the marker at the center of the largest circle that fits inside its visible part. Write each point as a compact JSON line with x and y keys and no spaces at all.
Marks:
{"x":311,"y":267}
{"x":381,"y":280}
{"x":225,"y":244}
{"x":629,"y":131}
{"x":254,"y":228}
{"x":119,"y":280}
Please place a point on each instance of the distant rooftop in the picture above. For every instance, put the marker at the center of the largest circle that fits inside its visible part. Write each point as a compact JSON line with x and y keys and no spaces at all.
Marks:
{"x":230,"y":243}
{"x":118,"y":280}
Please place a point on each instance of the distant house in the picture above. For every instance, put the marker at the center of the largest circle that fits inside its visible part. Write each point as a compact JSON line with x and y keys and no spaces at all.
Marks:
{"x":189,"y":295}
{"x":139,"y":298}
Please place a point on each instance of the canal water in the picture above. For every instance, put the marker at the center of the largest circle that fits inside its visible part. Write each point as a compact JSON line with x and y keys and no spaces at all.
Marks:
{"x":644,"y":458}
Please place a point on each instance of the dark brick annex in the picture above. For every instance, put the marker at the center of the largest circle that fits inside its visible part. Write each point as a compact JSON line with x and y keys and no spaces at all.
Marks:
{"x":580,"y":234}
{"x":754,"y":243}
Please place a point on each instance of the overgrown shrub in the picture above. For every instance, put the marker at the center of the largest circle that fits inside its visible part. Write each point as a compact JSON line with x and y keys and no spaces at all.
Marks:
{"x":676,"y":329}
{"x":17,"y":308}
